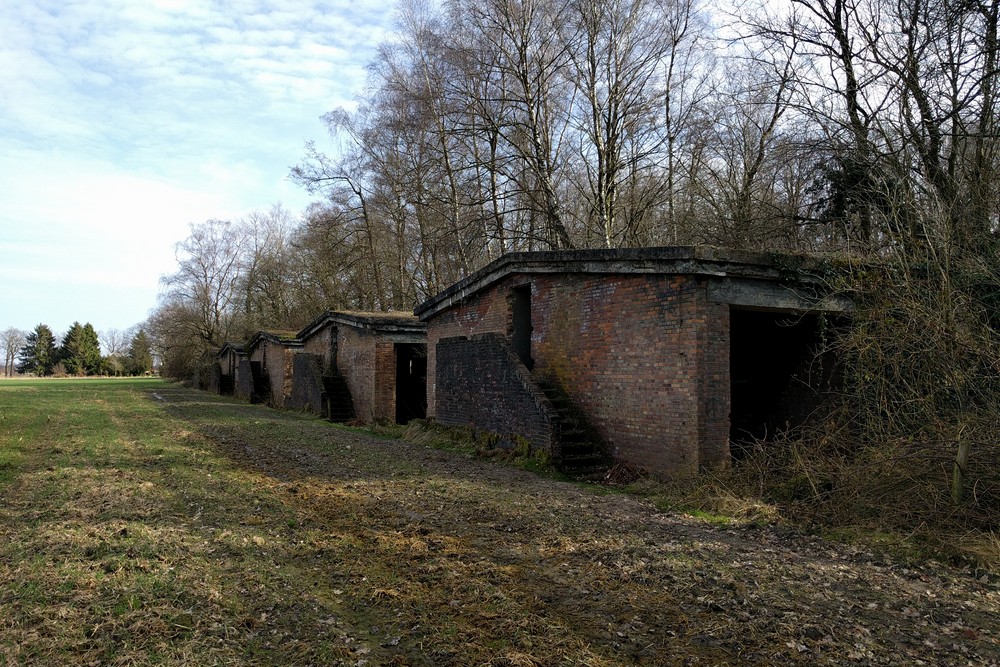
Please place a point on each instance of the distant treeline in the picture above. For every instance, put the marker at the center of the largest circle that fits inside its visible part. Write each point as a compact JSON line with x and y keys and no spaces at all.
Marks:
{"x":78,"y":353}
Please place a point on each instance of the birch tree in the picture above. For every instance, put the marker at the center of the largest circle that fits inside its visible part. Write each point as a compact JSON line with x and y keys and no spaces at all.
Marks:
{"x":521,"y":44}
{"x":618,"y":49}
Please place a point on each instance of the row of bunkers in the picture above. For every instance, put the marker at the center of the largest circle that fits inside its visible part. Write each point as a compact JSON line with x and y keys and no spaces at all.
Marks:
{"x":667,"y":359}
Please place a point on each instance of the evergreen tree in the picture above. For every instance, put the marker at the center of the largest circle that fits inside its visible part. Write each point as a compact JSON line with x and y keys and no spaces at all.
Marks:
{"x":68,"y":351}
{"x":140,"y":355}
{"x":90,"y":349}
{"x":81,"y":350}
{"x":39,"y":353}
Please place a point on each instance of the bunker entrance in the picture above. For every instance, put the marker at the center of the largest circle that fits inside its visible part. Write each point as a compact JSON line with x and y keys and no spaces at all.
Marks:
{"x":521,"y":311}
{"x":411,"y":382}
{"x":777,"y":378}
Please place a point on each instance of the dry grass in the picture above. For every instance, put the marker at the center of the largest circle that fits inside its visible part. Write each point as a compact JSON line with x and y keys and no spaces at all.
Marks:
{"x":185,"y":529}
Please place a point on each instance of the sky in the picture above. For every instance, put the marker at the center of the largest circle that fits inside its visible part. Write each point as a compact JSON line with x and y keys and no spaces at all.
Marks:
{"x":122,"y":122}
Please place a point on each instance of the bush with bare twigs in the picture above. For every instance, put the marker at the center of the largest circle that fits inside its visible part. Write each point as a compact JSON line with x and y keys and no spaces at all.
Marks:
{"x":908,"y":442}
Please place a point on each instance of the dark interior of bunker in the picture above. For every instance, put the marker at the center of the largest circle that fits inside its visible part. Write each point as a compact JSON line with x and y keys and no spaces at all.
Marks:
{"x":521,"y":313}
{"x":779,"y":372}
{"x":411,"y":382}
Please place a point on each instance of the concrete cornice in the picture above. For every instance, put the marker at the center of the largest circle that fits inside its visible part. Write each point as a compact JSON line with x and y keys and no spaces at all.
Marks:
{"x":226,"y":347}
{"x":673,"y":260}
{"x":393,"y":322}
{"x":278,"y":337}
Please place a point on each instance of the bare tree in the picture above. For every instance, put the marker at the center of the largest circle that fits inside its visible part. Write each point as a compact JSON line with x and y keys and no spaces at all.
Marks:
{"x":618,"y":49}
{"x":12,"y":340}
{"x":348,"y":212}
{"x":435,"y":207}
{"x":522,"y":46}
{"x":198,"y":307}
{"x":686,"y":88}
{"x":901,"y":100}
{"x":745,"y":158}
{"x":904,"y":96}
{"x":115,"y":341}
{"x":267,"y":278}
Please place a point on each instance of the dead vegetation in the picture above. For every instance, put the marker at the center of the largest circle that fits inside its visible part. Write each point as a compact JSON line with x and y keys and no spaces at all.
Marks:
{"x":197,"y":530}
{"x":904,"y":449}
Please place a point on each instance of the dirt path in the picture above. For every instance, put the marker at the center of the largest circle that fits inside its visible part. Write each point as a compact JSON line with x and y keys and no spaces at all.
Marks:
{"x":461,"y":559}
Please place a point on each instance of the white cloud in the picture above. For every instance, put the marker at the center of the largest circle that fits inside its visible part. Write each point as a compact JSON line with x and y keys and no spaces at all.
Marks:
{"x":122,"y":121}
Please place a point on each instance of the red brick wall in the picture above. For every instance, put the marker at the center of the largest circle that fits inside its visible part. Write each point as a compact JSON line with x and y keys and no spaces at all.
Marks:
{"x":310,"y":364}
{"x":384,"y":399}
{"x":215,"y":378}
{"x":228,"y":362}
{"x":482,"y":383}
{"x":645,"y":356}
{"x":244,"y":379}
{"x":286,"y":372}
{"x":486,"y":312}
{"x":356,"y":362}
{"x":277,"y":362}
{"x":321,"y":344}
{"x":307,"y":383}
{"x":368,"y":364}
{"x":714,"y":403}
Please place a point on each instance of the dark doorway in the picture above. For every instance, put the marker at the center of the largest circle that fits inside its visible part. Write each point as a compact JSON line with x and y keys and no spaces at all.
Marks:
{"x":261,"y":383}
{"x":777,"y":377}
{"x":411,"y":382}
{"x":521,"y":337}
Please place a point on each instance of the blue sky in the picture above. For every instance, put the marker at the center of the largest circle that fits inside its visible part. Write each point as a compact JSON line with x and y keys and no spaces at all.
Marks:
{"x":124,"y":121}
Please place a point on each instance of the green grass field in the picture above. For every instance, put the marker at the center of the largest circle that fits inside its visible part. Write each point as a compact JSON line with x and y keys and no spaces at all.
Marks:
{"x":142,"y":523}
{"x":126,"y":540}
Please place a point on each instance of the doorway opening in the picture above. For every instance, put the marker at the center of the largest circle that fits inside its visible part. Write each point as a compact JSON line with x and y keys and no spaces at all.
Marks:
{"x":411,"y":382}
{"x":778,"y":375}
{"x":521,"y":336}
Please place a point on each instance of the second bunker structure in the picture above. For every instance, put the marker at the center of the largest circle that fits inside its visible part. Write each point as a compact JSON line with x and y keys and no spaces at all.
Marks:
{"x":369,"y":367}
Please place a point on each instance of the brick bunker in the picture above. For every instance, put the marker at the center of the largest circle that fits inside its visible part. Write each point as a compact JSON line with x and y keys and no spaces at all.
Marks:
{"x":265,"y":372}
{"x":365,"y":366}
{"x":223,"y":372}
{"x":671,"y":357}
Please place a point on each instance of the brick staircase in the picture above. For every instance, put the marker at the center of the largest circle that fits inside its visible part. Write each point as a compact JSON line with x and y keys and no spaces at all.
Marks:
{"x":581,"y":454}
{"x":338,"y":406}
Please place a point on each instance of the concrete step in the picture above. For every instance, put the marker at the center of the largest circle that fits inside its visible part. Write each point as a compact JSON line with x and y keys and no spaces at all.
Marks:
{"x":581,"y":461}
{"x":595,"y":475}
{"x":580,"y":455}
{"x":578,"y":447}
{"x":573,"y":435}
